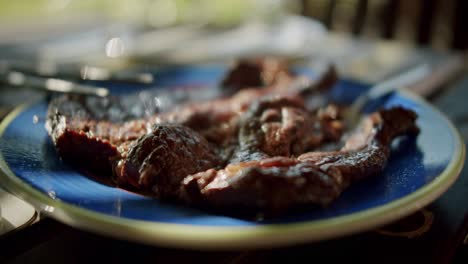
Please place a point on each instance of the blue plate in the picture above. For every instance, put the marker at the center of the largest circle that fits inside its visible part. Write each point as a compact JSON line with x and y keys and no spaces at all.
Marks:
{"x":418,"y":172}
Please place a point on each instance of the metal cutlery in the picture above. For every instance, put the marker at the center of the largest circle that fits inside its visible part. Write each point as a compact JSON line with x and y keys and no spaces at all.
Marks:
{"x":20,"y":79}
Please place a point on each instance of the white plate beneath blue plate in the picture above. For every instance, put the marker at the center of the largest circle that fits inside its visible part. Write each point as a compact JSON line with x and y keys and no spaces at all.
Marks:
{"x":15,"y":214}
{"x":418,"y":172}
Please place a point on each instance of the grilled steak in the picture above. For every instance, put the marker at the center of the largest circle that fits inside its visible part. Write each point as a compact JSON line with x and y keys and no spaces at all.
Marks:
{"x":254,"y":149}
{"x":161,"y":159}
{"x":269,"y":183}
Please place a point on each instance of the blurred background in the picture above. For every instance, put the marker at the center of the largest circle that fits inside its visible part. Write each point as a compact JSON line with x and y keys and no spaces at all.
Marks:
{"x":430,"y":22}
{"x":433,"y":22}
{"x":119,"y":33}
{"x":367,"y":40}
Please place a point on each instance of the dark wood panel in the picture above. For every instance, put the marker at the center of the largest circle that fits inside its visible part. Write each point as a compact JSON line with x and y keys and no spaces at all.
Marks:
{"x":460,"y":23}
{"x":390,"y":16}
{"x":360,"y":16}
{"x":426,"y":21}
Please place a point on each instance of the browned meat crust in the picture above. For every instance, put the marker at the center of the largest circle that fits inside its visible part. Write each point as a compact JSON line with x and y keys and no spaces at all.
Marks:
{"x":161,"y":159}
{"x":249,"y":151}
{"x":219,"y":112}
{"x":273,"y":184}
{"x":82,"y":139}
{"x":258,"y":72}
{"x":282,"y":126}
{"x":85,"y":135}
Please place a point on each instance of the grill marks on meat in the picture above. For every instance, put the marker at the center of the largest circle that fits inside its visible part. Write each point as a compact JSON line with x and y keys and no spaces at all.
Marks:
{"x":250,"y":151}
{"x":273,"y":184}
{"x":87,"y":141}
{"x":73,"y":142}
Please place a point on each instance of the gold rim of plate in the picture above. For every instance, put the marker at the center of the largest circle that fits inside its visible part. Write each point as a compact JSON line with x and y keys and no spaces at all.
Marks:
{"x":244,"y":237}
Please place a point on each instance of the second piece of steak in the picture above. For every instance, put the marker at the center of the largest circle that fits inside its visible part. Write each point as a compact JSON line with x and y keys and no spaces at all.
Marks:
{"x":274,"y":184}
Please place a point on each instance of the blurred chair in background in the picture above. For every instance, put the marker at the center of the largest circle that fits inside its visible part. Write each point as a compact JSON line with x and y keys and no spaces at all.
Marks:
{"x":436,"y":23}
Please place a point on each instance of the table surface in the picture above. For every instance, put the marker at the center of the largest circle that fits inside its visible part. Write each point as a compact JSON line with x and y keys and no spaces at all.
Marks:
{"x":435,"y":234}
